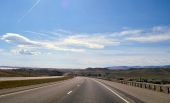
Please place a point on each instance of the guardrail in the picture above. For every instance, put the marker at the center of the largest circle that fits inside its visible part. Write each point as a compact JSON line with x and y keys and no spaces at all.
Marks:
{"x":155,"y":87}
{"x":150,"y":86}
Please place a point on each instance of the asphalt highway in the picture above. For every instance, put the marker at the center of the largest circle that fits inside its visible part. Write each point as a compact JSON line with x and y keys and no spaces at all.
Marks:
{"x":76,"y":90}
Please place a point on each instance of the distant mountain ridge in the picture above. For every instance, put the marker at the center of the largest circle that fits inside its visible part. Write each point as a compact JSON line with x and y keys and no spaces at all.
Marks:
{"x":105,"y":68}
{"x":131,"y":67}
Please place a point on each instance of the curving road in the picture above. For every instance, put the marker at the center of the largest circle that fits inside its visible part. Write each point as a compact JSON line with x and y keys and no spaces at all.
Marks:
{"x":77,"y":90}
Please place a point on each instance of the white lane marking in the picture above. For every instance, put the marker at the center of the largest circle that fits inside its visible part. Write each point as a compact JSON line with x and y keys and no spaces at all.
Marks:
{"x":22,"y":91}
{"x":69,"y":92}
{"x":111,"y":91}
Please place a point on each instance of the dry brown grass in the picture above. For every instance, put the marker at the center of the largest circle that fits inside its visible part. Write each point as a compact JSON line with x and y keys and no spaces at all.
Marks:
{"x":19,"y":83}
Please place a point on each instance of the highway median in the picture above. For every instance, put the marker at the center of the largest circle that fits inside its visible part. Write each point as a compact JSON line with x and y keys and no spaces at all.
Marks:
{"x":20,"y":83}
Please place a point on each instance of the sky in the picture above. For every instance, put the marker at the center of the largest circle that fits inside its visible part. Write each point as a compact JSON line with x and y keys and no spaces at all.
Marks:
{"x":84,"y":33}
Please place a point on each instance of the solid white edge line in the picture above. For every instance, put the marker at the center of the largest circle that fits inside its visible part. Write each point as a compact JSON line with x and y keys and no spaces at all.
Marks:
{"x":69,"y":92}
{"x":22,"y":91}
{"x":111,"y":91}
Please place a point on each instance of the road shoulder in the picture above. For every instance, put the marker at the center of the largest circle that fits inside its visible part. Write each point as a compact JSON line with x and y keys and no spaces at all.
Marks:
{"x":141,"y":94}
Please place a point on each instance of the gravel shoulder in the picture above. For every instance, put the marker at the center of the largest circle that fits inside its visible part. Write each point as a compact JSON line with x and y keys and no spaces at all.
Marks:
{"x":144,"y":95}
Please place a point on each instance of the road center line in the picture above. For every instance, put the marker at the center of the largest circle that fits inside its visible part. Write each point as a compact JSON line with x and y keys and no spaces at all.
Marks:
{"x":69,"y":92}
{"x":112,"y":91}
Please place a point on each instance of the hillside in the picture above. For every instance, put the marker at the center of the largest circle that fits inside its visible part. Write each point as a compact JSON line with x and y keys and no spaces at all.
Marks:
{"x":152,"y":73}
{"x":137,"y":67}
{"x":155,"y":75}
{"x":22,"y":72}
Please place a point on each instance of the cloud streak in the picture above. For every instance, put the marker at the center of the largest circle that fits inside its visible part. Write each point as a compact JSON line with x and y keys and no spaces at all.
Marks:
{"x":130,"y":32}
{"x":155,"y":34}
{"x":77,"y":42}
{"x":94,"y":42}
{"x":90,"y":49}
{"x":18,"y":39}
{"x":150,"y":38}
{"x":25,"y":52}
{"x":22,"y":41}
{"x":80,"y":42}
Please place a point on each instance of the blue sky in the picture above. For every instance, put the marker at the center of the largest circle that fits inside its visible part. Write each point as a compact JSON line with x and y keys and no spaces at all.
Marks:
{"x":84,"y":33}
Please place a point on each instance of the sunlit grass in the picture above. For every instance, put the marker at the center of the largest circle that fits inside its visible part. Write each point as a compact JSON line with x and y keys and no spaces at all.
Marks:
{"x":19,"y":83}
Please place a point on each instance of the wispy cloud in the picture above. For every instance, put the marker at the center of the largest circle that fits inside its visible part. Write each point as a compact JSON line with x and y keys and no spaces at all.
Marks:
{"x":37,"y":33}
{"x":97,"y":49}
{"x":130,"y":32}
{"x":35,"y":4}
{"x":51,"y":34}
{"x":150,"y":38}
{"x":95,"y":41}
{"x":79,"y":42}
{"x":155,"y":34}
{"x":25,"y":52}
{"x":23,"y":41}
{"x":18,"y":39}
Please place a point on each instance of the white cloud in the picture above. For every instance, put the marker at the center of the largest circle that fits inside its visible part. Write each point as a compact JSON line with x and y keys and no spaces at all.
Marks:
{"x":161,"y":29}
{"x":25,"y":52}
{"x":81,"y":41}
{"x":18,"y":39}
{"x":101,"y":40}
{"x":97,"y":41}
{"x":150,"y":38}
{"x":95,"y":47}
{"x":130,"y":32}
{"x":25,"y":42}
{"x":155,"y":34}
{"x":63,"y":44}
{"x":63,"y":31}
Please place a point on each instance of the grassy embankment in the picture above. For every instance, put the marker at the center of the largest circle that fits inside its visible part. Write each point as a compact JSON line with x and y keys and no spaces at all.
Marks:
{"x":149,"y":75}
{"x":19,"y":83}
{"x":29,"y":72}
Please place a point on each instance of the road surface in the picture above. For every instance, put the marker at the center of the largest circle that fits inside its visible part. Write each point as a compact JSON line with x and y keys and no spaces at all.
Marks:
{"x":26,"y":78}
{"x":76,"y":90}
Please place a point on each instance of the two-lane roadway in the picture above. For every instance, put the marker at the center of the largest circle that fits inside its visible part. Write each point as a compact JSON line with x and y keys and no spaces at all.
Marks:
{"x":76,"y":90}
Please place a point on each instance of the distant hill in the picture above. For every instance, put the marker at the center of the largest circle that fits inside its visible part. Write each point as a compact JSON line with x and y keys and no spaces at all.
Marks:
{"x":128,"y":72}
{"x":22,"y":72}
{"x":152,"y":74}
{"x":97,"y":69}
{"x":142,"y":72}
{"x":128,"y":67}
{"x":119,"y":67}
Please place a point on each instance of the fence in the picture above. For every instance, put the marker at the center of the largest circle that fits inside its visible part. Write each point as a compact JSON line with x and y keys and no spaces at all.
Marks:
{"x":150,"y":86}
{"x":155,"y":87}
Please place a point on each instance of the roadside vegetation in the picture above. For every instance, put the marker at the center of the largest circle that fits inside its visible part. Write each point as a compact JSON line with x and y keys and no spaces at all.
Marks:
{"x":148,"y":75}
{"x":19,"y":83}
{"x":27,"y":72}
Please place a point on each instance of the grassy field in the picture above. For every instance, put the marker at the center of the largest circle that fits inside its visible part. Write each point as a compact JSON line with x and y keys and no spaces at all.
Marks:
{"x":29,"y":72}
{"x":149,"y":75}
{"x":19,"y":83}
{"x":10,"y":73}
